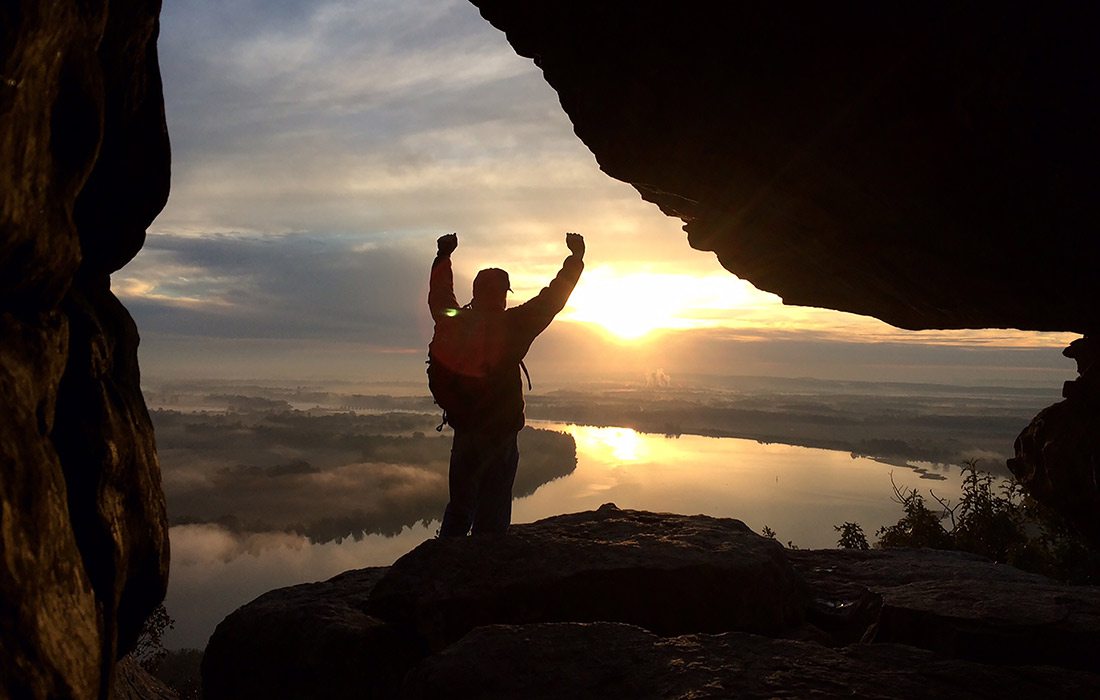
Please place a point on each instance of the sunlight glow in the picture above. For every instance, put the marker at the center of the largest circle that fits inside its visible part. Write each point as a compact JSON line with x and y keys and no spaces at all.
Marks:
{"x":632,"y":305}
{"x":611,"y":444}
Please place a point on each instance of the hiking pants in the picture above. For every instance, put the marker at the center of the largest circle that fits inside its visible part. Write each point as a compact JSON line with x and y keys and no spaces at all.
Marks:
{"x":483,"y":467}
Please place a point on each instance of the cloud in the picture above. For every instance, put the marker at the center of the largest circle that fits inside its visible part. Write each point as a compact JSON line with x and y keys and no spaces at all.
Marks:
{"x":335,"y":288}
{"x":375,"y":115}
{"x":394,"y":120}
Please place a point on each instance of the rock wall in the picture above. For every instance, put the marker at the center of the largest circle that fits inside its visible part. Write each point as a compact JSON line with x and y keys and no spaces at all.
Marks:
{"x":84,"y":168}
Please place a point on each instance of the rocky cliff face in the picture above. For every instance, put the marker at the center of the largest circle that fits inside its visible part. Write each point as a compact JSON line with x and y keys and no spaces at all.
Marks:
{"x":619,"y":603}
{"x":84,"y":168}
{"x":929,"y":164}
{"x":1058,"y":455}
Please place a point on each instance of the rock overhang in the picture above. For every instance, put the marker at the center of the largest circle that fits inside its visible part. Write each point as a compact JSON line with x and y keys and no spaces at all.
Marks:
{"x":927,"y":164}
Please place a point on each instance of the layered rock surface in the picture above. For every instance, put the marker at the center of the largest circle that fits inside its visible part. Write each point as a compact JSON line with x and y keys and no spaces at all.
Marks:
{"x":591,"y":566}
{"x":929,"y":164}
{"x":84,"y":168}
{"x":603,"y":660}
{"x":620,"y":603}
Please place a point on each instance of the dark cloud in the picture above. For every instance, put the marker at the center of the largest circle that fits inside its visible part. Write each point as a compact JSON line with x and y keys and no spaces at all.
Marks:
{"x":305,"y":287}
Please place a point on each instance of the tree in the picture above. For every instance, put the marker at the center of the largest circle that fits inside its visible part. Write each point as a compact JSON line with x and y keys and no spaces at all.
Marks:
{"x":150,"y":644}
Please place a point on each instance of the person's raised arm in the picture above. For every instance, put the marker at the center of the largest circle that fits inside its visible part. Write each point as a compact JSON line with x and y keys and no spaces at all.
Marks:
{"x":540,"y":311}
{"x":441,"y":289}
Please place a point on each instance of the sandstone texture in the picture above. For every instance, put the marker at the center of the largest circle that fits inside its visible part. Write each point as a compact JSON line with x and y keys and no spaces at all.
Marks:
{"x":605,"y":660}
{"x":315,"y":640}
{"x":959,"y":604}
{"x":668,"y":573}
{"x":84,"y":168}
{"x":457,"y":618}
{"x":132,"y":682}
{"x":929,"y":164}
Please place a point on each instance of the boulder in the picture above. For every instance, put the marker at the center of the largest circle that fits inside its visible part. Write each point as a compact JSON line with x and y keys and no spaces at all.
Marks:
{"x":608,"y":660}
{"x":668,"y":573}
{"x":309,"y":641}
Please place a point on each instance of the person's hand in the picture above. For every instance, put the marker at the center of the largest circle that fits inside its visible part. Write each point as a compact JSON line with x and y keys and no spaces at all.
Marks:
{"x":447,"y":243}
{"x":575,"y":241}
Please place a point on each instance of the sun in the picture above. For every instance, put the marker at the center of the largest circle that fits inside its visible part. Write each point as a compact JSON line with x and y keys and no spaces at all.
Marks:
{"x":631,"y":306}
{"x":626,"y":308}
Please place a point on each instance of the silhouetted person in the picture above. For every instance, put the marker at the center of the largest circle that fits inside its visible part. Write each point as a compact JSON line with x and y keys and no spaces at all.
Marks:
{"x":474,"y":372}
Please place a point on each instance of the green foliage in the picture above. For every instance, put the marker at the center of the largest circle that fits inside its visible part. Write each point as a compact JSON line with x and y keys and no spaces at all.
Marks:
{"x":1000,"y":522}
{"x":919,"y":527}
{"x":989,"y":523}
{"x":851,"y":536}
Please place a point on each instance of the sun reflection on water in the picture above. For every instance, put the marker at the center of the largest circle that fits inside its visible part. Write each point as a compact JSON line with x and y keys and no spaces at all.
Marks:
{"x":611,"y":444}
{"x":799,"y":492}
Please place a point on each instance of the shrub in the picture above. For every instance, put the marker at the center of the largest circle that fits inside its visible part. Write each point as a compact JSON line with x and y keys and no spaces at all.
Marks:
{"x":988,"y":523}
{"x":919,"y":527}
{"x":851,"y":536}
{"x":1002,"y":523}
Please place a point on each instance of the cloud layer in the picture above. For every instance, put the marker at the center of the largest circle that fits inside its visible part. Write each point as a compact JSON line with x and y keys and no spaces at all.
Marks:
{"x":320,"y":148}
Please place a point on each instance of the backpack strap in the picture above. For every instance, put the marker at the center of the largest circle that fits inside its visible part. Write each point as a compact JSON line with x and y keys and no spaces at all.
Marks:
{"x":526,"y":374}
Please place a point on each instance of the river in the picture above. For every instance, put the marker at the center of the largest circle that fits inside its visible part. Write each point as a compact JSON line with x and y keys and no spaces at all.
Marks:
{"x":798,"y":492}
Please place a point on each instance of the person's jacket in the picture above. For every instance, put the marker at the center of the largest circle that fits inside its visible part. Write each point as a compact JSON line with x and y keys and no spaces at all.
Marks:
{"x":494,"y":343}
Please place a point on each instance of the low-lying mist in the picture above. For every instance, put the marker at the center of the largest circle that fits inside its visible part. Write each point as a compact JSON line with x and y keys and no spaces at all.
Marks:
{"x":257,"y":467}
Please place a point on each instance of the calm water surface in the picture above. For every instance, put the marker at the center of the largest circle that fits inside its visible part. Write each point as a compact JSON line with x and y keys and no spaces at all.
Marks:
{"x":800,"y":493}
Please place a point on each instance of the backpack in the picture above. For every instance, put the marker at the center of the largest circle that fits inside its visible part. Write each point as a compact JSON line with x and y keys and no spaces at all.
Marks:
{"x":458,"y":369}
{"x":455,"y":375}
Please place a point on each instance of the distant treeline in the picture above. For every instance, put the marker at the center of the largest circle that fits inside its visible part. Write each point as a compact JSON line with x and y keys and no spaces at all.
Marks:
{"x":930,"y":428}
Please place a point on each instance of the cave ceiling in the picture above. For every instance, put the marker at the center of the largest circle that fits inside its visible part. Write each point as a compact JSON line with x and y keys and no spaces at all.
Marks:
{"x":929,"y":164}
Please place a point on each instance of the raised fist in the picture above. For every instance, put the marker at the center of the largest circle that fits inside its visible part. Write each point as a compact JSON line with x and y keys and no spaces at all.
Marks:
{"x":447,"y":243}
{"x":575,"y":242}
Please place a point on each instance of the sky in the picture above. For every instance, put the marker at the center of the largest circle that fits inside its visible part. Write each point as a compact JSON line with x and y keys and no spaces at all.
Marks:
{"x":320,"y":148}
